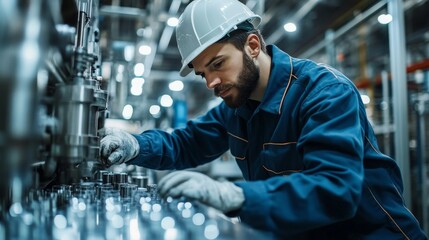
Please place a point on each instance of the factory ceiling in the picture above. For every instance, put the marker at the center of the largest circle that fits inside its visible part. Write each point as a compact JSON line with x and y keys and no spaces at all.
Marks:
{"x":135,"y":22}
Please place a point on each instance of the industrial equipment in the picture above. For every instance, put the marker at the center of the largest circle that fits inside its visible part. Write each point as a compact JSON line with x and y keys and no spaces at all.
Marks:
{"x":54,"y":101}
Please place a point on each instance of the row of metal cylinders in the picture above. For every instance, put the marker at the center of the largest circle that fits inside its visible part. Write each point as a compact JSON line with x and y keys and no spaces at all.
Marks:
{"x":105,"y":185}
{"x":107,"y":177}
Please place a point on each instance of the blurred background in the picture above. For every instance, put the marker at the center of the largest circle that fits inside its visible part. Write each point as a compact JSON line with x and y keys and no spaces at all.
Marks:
{"x":69,"y":68}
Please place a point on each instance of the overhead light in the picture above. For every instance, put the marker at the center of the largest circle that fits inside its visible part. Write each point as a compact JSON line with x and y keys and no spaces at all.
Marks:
{"x":129,"y":53}
{"x":384,"y":18}
{"x":155,"y":110}
{"x":290,"y":27}
{"x":121,"y":68}
{"x":138,"y":69}
{"x":172,"y":21}
{"x":119,"y":77}
{"x":145,"y":50}
{"x":176,"y":86}
{"x":166,"y":100}
{"x":106,"y":70}
{"x":137,"y":81}
{"x":127,"y":112}
{"x":137,"y":86}
{"x":136,"y":90}
{"x":120,"y":73}
{"x":365,"y":99}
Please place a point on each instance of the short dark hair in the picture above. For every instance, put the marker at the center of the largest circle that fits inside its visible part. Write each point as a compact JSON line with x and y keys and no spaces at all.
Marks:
{"x":238,"y":38}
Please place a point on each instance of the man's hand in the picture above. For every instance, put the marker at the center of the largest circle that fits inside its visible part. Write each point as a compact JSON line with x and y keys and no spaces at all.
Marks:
{"x":117,"y":146}
{"x":224,"y":196}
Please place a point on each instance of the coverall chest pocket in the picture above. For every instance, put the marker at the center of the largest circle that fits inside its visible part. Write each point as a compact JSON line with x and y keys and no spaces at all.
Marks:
{"x":281,"y":159}
{"x":238,"y":147}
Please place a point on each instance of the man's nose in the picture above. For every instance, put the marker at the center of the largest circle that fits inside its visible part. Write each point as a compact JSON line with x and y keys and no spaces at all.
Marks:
{"x":212,"y":81}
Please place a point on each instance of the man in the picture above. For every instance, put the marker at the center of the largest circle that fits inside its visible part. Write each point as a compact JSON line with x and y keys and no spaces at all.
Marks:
{"x":297,"y":129}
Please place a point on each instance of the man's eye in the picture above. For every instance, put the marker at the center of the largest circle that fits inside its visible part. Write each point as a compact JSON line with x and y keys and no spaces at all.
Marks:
{"x":217,"y":65}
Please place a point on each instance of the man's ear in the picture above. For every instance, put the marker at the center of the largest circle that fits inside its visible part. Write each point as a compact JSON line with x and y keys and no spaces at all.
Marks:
{"x":253,"y":45}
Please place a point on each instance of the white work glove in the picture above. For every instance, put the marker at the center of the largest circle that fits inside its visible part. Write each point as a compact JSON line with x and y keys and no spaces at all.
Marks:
{"x":224,"y":196}
{"x":117,"y":146}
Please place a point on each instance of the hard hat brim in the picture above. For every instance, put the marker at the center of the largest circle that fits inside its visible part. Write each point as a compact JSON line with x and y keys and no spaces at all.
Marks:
{"x":185,"y":70}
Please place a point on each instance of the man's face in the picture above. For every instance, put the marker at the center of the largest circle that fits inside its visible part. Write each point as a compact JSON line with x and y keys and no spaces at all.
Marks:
{"x":230,"y":72}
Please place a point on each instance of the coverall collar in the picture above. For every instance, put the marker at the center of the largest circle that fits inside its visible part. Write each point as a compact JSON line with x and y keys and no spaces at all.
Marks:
{"x":278,"y":83}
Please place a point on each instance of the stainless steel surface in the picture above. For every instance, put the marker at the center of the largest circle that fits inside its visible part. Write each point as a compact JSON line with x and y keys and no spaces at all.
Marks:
{"x":93,"y":210}
{"x":53,"y":101}
{"x":22,"y":51}
{"x":80,"y":104}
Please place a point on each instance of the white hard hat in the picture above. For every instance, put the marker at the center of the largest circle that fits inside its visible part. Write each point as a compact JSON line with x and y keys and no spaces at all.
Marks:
{"x":205,"y":22}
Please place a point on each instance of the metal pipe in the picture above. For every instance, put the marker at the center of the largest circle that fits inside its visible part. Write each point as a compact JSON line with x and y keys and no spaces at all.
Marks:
{"x":346,"y":28}
{"x":386,"y":112}
{"x":117,"y":11}
{"x":420,"y":106}
{"x":399,"y":93}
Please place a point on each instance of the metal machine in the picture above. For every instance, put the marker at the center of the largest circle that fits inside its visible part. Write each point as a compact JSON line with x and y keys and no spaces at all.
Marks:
{"x":53,"y":102}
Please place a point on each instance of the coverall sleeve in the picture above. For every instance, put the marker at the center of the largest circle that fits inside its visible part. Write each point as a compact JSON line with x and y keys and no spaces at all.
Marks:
{"x":202,"y":140}
{"x":329,"y":188}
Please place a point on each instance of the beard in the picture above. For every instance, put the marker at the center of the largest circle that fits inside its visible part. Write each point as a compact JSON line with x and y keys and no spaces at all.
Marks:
{"x":246,"y":83}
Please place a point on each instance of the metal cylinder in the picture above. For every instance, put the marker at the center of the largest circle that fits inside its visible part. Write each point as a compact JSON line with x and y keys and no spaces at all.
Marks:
{"x":98,"y":176}
{"x":121,"y":178}
{"x":108,"y":178}
{"x":100,"y":189}
{"x":127,"y":190}
{"x":72,"y":111}
{"x":71,"y":142}
{"x":140,"y":181}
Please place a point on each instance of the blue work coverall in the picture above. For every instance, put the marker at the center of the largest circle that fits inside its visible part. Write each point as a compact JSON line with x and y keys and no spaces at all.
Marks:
{"x":307,"y":151}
